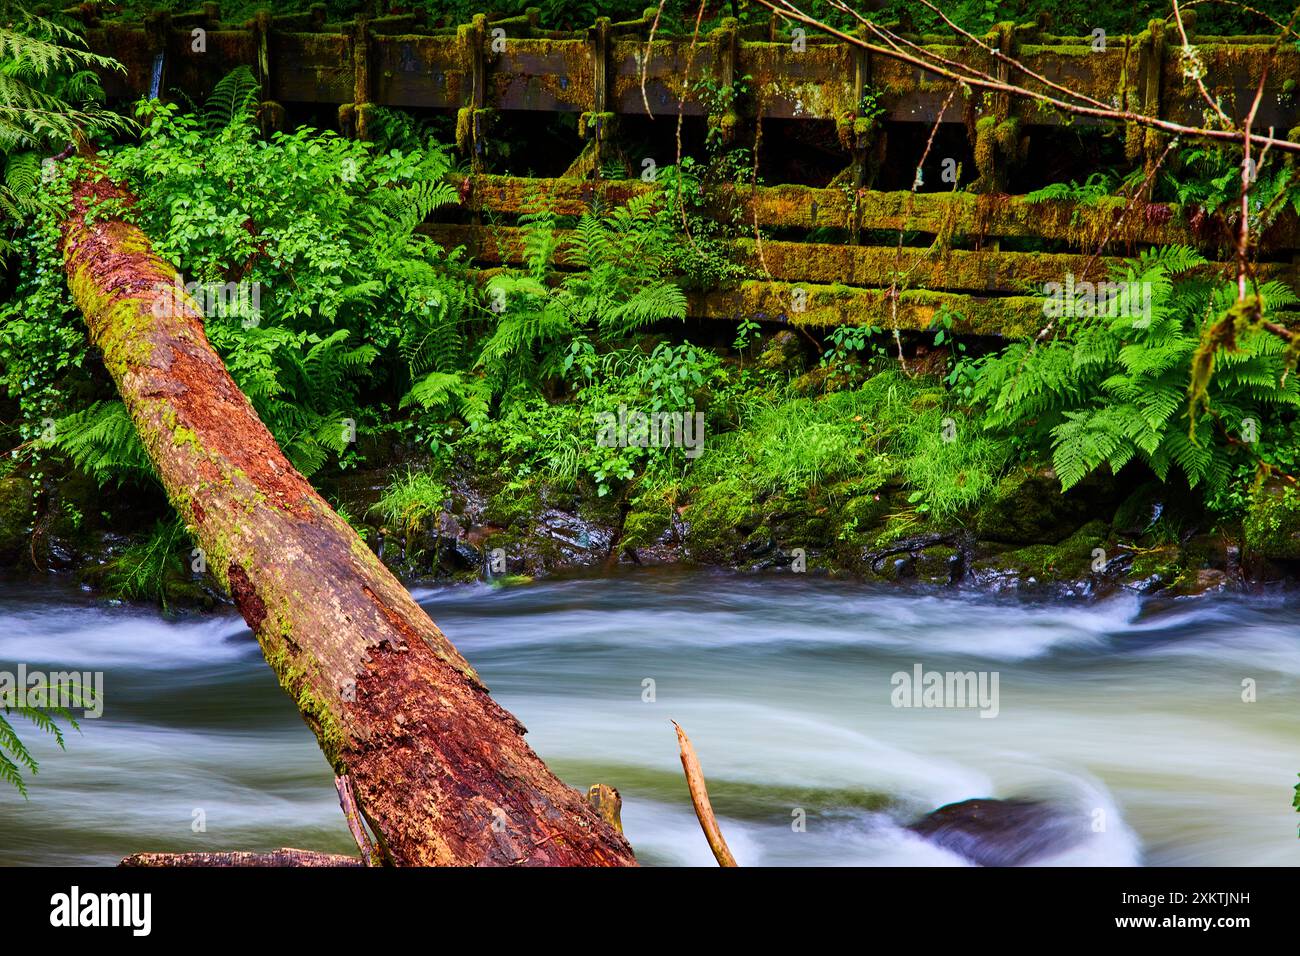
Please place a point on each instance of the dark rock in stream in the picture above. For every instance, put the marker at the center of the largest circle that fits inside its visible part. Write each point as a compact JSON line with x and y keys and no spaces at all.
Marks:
{"x":992,"y":832}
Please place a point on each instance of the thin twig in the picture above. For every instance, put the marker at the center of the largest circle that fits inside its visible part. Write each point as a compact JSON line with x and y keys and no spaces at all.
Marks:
{"x":681,"y":109}
{"x":972,"y":77}
{"x":1193,"y":70}
{"x":645,"y":60}
{"x":893,"y":293}
{"x":348,"y":801}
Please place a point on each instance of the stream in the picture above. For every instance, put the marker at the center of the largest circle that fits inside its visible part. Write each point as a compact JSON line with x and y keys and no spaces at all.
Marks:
{"x":1127,"y":720}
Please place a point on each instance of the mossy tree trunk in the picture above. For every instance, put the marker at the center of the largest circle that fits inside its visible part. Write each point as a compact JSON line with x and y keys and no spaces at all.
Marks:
{"x":441,"y":772}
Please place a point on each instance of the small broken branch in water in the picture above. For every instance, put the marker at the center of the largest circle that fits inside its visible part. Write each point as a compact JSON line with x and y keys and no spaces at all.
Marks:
{"x":606,"y":801}
{"x":285,"y":856}
{"x":348,"y":801}
{"x":700,"y":798}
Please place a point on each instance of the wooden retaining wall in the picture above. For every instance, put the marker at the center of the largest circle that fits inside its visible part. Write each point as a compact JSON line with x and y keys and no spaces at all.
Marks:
{"x":492,"y":67}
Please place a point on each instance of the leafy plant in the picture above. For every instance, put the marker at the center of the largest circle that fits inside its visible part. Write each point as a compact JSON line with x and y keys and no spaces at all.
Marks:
{"x":140,"y":573}
{"x":892,"y":427}
{"x":325,"y":232}
{"x":411,"y":500}
{"x":49,"y":96}
{"x":616,"y":288}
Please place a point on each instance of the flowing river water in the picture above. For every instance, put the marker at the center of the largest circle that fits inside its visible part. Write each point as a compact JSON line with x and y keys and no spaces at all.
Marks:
{"x":1127,"y":720}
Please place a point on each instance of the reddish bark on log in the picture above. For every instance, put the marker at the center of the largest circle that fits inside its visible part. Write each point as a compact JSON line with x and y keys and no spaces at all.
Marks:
{"x":441,"y":772}
{"x":285,"y":856}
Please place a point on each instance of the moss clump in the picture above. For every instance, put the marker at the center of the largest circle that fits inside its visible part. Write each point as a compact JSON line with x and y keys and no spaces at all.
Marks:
{"x":1162,"y":563}
{"x":861,"y":517}
{"x":936,"y":565}
{"x":783,"y":353}
{"x":719,"y":519}
{"x":598,"y":124}
{"x":1272,"y":523}
{"x":646,"y":523}
{"x":512,"y":507}
{"x":805,"y":522}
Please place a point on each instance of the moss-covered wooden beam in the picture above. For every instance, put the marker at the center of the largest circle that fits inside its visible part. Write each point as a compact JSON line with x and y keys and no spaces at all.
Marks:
{"x":531,"y":70}
{"x":951,"y":270}
{"x":815,"y":305}
{"x":440,"y":771}
{"x":961,"y":217}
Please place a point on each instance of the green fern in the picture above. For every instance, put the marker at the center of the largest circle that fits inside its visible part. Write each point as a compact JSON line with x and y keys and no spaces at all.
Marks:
{"x":1112,"y":389}
{"x":15,"y":758}
{"x":103,"y":442}
{"x":615,"y":282}
{"x":232,"y":101}
{"x":49,"y":97}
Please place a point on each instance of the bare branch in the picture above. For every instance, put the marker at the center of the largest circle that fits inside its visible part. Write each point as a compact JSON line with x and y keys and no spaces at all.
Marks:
{"x":700,"y":798}
{"x":972,"y":77}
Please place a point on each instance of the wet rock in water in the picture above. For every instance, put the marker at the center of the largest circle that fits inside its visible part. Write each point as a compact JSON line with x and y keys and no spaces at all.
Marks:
{"x":938,"y":565}
{"x":992,"y":832}
{"x":465,"y":556}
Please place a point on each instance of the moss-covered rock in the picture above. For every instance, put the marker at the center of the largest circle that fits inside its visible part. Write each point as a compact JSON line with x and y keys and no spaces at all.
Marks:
{"x":1140,"y":511}
{"x":1272,"y":523}
{"x":783,"y":353}
{"x":511,"y":506}
{"x":1028,"y":507}
{"x":801,"y":522}
{"x":646,"y":523}
{"x":939,"y":564}
{"x":861,"y":517}
{"x":15,"y":513}
{"x":719,"y":519}
{"x":1042,"y":564}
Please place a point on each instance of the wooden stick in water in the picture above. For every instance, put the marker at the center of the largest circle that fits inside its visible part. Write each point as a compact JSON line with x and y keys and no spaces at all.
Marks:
{"x":700,"y":797}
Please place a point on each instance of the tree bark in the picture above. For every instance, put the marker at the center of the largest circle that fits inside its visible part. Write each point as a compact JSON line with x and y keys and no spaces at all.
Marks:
{"x":441,"y":771}
{"x":285,"y":856}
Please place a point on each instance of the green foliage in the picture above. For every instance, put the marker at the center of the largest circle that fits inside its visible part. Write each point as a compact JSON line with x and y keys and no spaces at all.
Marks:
{"x":851,"y":340}
{"x":411,"y":500}
{"x":49,"y":96}
{"x":42,"y":340}
{"x":618,"y":287}
{"x":101,"y":440}
{"x":1097,"y":186}
{"x":704,"y":258}
{"x":324,"y":230}
{"x":1113,"y":388}
{"x":893,"y":427}
{"x":557,"y":443}
{"x":140,"y":573}
{"x":1209,"y":178}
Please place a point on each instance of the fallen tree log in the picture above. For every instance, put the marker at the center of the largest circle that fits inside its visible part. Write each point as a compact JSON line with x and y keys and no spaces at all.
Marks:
{"x":441,"y":772}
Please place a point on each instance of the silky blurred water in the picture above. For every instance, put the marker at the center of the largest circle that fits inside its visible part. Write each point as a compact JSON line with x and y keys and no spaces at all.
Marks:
{"x":1128,"y":720}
